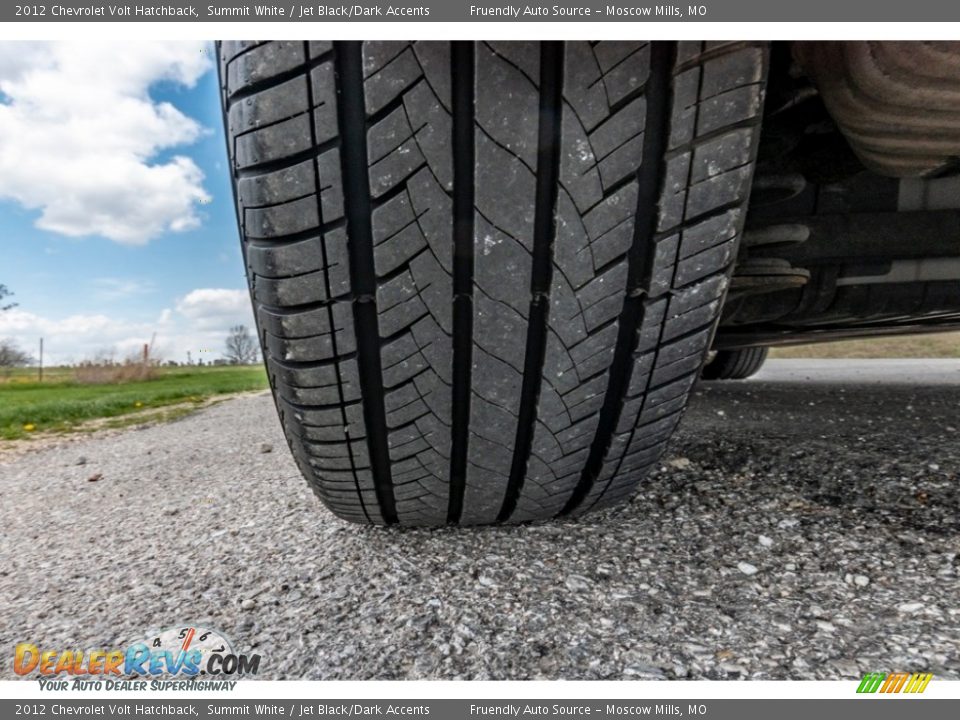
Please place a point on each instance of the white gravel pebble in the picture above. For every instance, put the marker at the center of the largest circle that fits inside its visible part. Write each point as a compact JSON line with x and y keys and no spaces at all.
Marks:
{"x":910,"y":607}
{"x":578,"y":583}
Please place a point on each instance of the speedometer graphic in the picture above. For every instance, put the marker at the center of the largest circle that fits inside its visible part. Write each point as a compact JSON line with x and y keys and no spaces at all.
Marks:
{"x":187,"y":650}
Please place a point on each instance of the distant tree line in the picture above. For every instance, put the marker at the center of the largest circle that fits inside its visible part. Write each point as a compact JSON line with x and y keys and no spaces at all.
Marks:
{"x":240,"y":349}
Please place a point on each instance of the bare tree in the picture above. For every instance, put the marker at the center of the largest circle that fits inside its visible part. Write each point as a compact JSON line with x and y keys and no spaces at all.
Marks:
{"x":241,"y":347}
{"x":12,"y":356}
{"x":5,"y":292}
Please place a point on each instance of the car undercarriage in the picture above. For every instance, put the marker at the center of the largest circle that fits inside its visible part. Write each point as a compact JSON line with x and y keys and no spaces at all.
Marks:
{"x":853,"y":226}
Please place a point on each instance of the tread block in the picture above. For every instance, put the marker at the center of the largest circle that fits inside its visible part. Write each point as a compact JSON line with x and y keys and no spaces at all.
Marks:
{"x":274,"y":104}
{"x":279,"y":186}
{"x":254,"y":63}
{"x":272,"y":143}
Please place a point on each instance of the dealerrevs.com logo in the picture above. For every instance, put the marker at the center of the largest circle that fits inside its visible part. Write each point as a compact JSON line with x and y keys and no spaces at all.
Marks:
{"x":171,"y":659}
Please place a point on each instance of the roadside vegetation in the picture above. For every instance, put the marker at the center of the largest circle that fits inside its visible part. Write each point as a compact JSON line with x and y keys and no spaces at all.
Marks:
{"x":939,"y":345}
{"x":68,"y":399}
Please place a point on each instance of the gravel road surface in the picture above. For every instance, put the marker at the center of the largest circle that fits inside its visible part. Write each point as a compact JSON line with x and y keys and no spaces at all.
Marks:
{"x":805,"y":524}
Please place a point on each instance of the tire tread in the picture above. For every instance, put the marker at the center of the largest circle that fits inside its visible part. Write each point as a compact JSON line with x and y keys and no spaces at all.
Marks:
{"x":439,"y":355}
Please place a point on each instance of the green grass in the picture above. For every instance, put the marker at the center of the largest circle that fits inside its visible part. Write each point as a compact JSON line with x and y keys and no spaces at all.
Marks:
{"x":60,"y":404}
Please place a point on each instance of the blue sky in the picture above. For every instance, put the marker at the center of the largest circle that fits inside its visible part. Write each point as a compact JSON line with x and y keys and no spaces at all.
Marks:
{"x":116,"y":215}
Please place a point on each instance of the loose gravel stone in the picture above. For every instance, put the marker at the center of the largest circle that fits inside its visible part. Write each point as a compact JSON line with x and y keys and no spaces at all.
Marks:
{"x":910,"y":607}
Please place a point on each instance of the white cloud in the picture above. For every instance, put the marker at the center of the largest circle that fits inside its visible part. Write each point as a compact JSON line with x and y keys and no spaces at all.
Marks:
{"x":201,"y":320}
{"x":216,"y":307}
{"x":80,"y":136}
{"x":72,"y":338}
{"x":109,"y":288}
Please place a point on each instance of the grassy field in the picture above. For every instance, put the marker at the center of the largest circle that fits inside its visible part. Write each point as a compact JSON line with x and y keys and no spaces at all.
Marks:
{"x":940,"y":345}
{"x":62,"y":404}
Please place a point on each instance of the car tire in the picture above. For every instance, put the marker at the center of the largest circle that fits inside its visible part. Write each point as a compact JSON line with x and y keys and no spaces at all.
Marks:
{"x":486,"y":275}
{"x":735,"y":364}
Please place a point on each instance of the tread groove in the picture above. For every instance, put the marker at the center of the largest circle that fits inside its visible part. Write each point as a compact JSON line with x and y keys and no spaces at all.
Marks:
{"x":287,"y":161}
{"x":541,"y":276}
{"x":462,"y":69}
{"x":328,"y":304}
{"x":356,"y":183}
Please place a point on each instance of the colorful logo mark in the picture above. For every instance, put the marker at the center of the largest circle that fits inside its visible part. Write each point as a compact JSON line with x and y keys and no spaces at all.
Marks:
{"x":895,"y":682}
{"x":186,"y":651}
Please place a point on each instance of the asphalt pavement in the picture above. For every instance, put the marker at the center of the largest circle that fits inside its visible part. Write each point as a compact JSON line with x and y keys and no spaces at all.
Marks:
{"x":805,"y":524}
